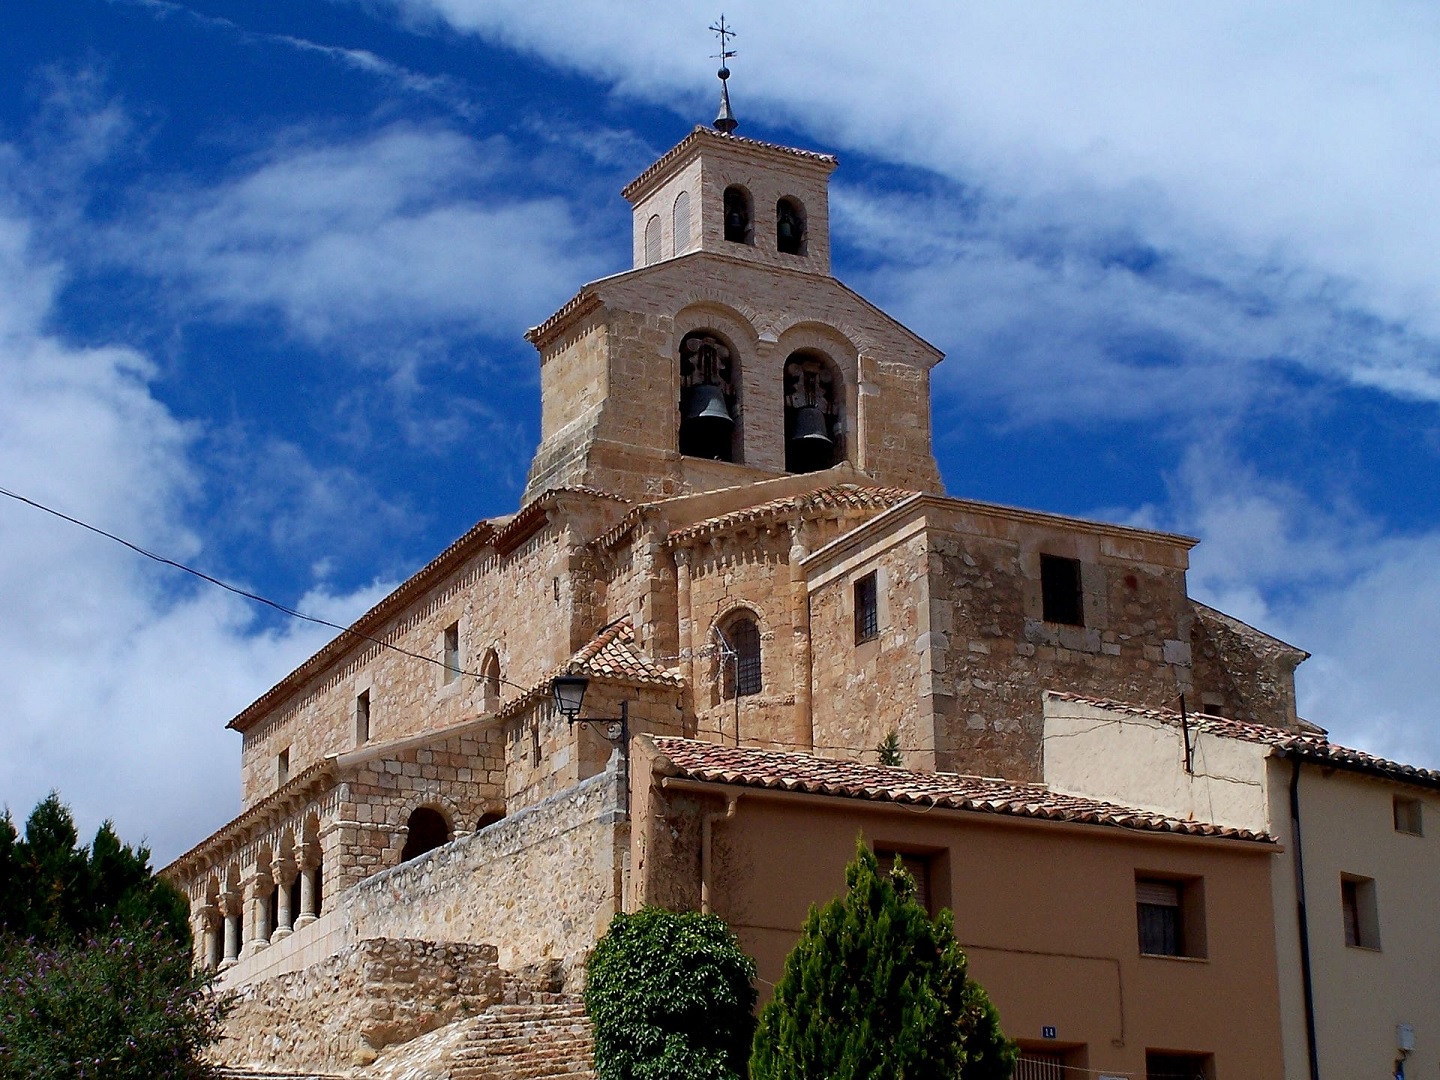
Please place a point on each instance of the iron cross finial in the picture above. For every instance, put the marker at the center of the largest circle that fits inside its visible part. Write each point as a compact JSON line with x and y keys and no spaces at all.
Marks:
{"x":726,"y":121}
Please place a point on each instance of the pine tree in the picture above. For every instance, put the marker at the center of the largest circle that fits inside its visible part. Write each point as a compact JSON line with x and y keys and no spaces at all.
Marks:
{"x":876,"y":989}
{"x":888,"y":750}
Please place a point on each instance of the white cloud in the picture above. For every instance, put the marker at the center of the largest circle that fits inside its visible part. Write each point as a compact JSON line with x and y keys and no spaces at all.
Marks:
{"x":1293,"y":143}
{"x":1325,"y":577}
{"x":387,"y":233}
{"x":119,"y":675}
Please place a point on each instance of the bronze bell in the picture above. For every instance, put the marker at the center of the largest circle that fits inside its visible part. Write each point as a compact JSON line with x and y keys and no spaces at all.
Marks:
{"x":707,"y":405}
{"x":786,"y":230}
{"x":735,"y":224}
{"x":811,"y":427}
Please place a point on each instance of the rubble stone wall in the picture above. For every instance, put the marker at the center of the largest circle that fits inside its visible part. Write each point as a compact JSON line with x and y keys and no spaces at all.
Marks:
{"x":341,"y":1011}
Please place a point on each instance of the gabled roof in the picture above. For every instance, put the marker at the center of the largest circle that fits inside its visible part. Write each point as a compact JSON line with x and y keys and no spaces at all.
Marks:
{"x":611,"y":654}
{"x":1311,"y":746}
{"x":785,"y":771}
{"x":838,"y":497}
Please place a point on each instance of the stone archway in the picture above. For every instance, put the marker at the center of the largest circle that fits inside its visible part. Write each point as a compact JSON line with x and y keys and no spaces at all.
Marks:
{"x":427,"y":830}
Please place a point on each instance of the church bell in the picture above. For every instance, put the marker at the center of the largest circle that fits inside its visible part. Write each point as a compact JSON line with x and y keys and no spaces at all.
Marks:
{"x":811,"y":428}
{"x":707,"y":406}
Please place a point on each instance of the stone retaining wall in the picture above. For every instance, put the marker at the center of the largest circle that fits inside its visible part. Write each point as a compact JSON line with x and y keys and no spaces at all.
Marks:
{"x":372,"y":994}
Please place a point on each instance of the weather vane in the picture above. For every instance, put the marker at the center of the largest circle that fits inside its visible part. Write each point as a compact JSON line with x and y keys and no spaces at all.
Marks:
{"x":726,"y":121}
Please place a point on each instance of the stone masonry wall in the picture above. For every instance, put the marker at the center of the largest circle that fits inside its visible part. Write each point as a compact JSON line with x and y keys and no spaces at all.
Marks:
{"x":1242,"y":673}
{"x":863,"y":691}
{"x":542,"y":884}
{"x":994,"y":655}
{"x":522,"y":604}
{"x":372,"y":994}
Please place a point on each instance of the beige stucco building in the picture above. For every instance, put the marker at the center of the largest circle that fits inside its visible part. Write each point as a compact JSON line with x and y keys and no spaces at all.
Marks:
{"x":1355,"y":888}
{"x":735,"y":529}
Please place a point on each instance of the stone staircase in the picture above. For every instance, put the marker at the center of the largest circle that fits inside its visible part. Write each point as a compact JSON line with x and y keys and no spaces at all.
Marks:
{"x":533,"y":1035}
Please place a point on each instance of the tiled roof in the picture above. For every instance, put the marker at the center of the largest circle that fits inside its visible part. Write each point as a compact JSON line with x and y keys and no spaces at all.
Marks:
{"x":701,"y":132}
{"x":784,"y":771}
{"x":611,"y":654}
{"x":1309,"y":746}
{"x":841,"y":496}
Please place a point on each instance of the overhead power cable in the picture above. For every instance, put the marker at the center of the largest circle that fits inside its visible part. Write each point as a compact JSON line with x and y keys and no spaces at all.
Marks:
{"x":246,"y":593}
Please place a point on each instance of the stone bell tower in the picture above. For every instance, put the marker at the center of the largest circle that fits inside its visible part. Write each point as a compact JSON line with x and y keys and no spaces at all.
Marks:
{"x":729,"y":353}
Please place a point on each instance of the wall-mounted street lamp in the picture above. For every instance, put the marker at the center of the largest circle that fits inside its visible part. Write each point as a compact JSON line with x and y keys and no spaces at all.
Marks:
{"x":569,"y":694}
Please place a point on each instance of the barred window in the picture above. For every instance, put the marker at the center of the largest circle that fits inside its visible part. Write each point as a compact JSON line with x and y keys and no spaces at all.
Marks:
{"x":867,"y":609}
{"x":742,"y":670}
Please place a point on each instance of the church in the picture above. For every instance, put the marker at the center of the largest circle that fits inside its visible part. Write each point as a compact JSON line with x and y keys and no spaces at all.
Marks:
{"x":667,"y":678}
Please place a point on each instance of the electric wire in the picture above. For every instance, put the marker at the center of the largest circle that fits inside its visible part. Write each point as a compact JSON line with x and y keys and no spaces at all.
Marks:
{"x":252,"y":596}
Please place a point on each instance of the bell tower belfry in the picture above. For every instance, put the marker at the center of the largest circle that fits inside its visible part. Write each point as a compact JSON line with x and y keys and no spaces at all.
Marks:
{"x":729,"y":354}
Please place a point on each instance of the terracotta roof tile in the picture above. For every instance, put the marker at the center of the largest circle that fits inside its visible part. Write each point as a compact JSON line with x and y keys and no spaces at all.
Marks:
{"x":841,"y":496}
{"x":612,"y":654}
{"x":1310,"y":746}
{"x":701,"y":132}
{"x":786,"y":771}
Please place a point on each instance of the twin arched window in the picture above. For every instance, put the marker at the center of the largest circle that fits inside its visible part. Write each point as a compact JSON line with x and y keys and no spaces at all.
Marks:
{"x":739,"y":224}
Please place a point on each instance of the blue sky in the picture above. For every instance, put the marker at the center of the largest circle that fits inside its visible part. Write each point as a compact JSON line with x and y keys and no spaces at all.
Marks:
{"x":265,"y":271}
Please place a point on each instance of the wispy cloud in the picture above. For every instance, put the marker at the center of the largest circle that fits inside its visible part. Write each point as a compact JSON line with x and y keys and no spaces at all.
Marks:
{"x":116,"y":674}
{"x":390,"y":232}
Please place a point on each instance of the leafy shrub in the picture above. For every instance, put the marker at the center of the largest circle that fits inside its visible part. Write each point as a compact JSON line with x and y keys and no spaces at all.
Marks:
{"x":876,"y":989}
{"x":126,"y":1006}
{"x":671,"y":998}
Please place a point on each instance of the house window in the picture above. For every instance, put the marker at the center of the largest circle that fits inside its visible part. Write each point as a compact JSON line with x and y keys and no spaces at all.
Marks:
{"x":1050,"y":1063}
{"x":1168,"y":1066}
{"x":282,"y":767}
{"x":1357,"y":903}
{"x":867,"y":610}
{"x":1170,"y":915}
{"x":1407,"y":815}
{"x":362,"y":718}
{"x":742,"y":668}
{"x":1060,"y":590}
{"x":917,"y":866}
{"x":652,"y":240}
{"x":452,"y":652}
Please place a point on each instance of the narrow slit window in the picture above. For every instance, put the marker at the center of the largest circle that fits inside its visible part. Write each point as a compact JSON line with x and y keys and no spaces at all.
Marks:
{"x":867,"y":609}
{"x":452,"y":652}
{"x":362,"y":718}
{"x":282,"y":767}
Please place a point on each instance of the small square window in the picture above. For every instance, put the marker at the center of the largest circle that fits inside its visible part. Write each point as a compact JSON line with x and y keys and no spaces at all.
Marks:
{"x":282,"y":767}
{"x":1408,"y":816}
{"x":1060,"y":590}
{"x":362,"y":718}
{"x":867,"y":609}
{"x":452,"y":652}
{"x":917,"y":866}
{"x":1357,"y":904}
{"x":1170,"y":916}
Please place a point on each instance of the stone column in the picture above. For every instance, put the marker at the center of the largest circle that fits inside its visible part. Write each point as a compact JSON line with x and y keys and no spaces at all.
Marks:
{"x":257,"y":916}
{"x":308,"y":856}
{"x":231,"y":905}
{"x":205,"y":937}
{"x":283,"y":915}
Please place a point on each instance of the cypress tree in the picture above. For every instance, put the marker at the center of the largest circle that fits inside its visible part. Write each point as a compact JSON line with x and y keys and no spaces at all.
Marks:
{"x":876,"y":989}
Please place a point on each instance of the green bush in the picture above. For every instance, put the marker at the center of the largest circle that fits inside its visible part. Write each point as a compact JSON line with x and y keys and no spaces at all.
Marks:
{"x":125,"y":1006}
{"x":671,"y":998}
{"x":876,"y":989}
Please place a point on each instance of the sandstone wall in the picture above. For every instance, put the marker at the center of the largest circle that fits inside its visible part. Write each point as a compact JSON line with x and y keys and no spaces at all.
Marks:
{"x":1242,"y":673}
{"x":372,"y":994}
{"x":523,"y":604}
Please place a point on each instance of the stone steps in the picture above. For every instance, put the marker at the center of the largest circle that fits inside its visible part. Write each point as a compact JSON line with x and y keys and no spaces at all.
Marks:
{"x":545,"y":1038}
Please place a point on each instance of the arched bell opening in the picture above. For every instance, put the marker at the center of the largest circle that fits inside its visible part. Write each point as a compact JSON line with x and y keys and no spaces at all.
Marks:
{"x":739,"y":215}
{"x":709,"y":376}
{"x":790,"y":235}
{"x":814,"y":411}
{"x":428,"y":829}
